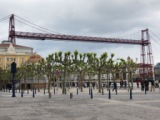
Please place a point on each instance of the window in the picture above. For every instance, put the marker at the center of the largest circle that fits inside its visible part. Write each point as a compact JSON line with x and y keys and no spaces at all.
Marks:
{"x":11,"y":59}
{"x":22,"y":60}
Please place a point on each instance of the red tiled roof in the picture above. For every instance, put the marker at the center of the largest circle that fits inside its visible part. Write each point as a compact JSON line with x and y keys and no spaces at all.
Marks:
{"x":14,"y":45}
{"x":34,"y":58}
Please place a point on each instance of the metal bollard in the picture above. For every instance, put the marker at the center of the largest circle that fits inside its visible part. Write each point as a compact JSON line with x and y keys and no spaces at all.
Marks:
{"x":71,"y":95}
{"x":50,"y":95}
{"x":91,"y":94}
{"x":102,"y":91}
{"x":116,"y":91}
{"x":33,"y":93}
{"x":44,"y":91}
{"x":21,"y":93}
{"x":35,"y":90}
{"x":145,"y":90}
{"x":54,"y":91}
{"x":77,"y":91}
{"x":109,"y":94}
{"x":130,"y":93}
{"x":65,"y":91}
{"x":27,"y":91}
{"x":19,"y":90}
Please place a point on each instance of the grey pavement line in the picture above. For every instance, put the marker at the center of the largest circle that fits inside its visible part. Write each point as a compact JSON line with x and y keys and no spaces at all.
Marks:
{"x":148,"y":101}
{"x":131,"y":103}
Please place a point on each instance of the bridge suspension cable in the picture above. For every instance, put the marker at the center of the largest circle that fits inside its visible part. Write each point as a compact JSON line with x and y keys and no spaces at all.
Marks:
{"x":26,"y":22}
{"x":5,"y":18}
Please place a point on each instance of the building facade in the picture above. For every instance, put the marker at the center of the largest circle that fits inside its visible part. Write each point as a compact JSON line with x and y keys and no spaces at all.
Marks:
{"x":13,"y":53}
{"x":157,"y":71}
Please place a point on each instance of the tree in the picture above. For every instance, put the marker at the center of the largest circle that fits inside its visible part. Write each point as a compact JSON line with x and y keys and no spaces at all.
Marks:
{"x":49,"y":64}
{"x":81,"y":68}
{"x":38,"y":72}
{"x":65,"y":61}
{"x":20,"y":74}
{"x":6,"y":77}
{"x":109,"y":67}
{"x":98,"y":65}
{"x":1,"y":80}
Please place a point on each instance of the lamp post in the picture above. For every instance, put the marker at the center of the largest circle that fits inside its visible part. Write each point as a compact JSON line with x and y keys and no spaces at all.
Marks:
{"x":33,"y":80}
{"x":13,"y":71}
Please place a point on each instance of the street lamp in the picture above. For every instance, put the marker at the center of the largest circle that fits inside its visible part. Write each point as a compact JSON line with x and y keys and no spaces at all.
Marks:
{"x":13,"y":71}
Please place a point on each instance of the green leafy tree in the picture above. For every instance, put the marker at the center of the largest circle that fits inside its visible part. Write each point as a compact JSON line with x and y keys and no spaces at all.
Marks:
{"x":66,"y":61}
{"x":81,"y":68}
{"x":6,"y":77}
{"x":110,"y":65}
{"x":98,"y":65}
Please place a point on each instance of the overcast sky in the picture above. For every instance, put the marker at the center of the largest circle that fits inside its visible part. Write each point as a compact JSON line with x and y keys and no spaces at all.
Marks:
{"x":100,"y":18}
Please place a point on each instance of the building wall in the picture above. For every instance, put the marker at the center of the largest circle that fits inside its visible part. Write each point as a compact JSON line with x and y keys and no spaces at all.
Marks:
{"x":9,"y":54}
{"x":157,"y":70}
{"x":6,"y":60}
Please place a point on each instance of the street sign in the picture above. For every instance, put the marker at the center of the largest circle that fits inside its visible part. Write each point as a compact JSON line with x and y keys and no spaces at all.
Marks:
{"x":57,"y":72}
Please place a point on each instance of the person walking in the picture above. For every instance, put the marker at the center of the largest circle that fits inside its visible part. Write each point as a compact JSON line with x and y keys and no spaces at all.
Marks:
{"x":125,"y":84}
{"x":142,"y":85}
{"x":137,"y":81}
{"x":146,"y":85}
{"x":121,"y":84}
{"x":114,"y":86}
{"x":152,"y":86}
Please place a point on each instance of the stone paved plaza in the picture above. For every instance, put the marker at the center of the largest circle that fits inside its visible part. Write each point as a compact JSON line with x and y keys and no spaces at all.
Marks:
{"x":81,"y":107}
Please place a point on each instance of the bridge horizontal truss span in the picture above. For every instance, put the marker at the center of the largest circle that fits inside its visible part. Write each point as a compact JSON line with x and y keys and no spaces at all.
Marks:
{"x":44,"y":36}
{"x":146,"y":64}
